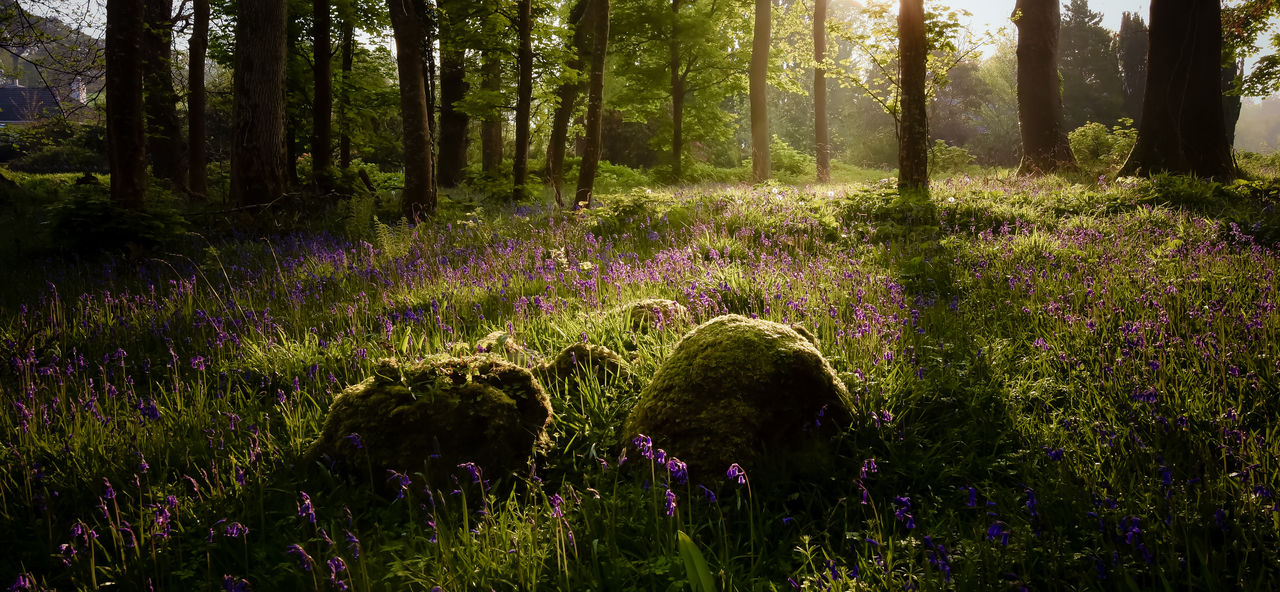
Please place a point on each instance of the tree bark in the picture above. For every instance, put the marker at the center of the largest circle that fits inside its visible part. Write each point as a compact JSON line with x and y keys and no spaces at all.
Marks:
{"x":595,"y":103}
{"x":524,"y":99}
{"x":567,"y":96}
{"x":164,"y":128}
{"x":126,"y":139}
{"x":1232,"y":103}
{"x":409,"y":27}
{"x":1045,"y":148}
{"x":491,"y":125}
{"x":913,"y":123}
{"x":453,"y":88}
{"x":322,"y":111}
{"x":821,"y":137}
{"x":758,"y":89}
{"x":677,"y":96}
{"x":198,"y":46}
{"x":344,"y":100}
{"x":259,"y":159}
{"x":1183,"y":128}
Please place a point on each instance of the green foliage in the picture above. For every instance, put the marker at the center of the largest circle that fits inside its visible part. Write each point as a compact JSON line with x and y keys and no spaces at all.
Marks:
{"x":61,"y":159}
{"x":1092,"y":89}
{"x":945,"y":159}
{"x":788,"y":164}
{"x":86,"y":220}
{"x":1102,"y":151}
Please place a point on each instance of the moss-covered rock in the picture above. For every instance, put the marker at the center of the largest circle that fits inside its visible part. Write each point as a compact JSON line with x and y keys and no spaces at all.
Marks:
{"x":651,"y":313}
{"x":584,"y":359}
{"x":736,"y":388}
{"x":502,"y":344}
{"x":434,"y":415}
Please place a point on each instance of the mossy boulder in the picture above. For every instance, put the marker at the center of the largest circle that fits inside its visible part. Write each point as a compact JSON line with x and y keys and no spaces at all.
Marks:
{"x":582,"y":359}
{"x":651,"y":313}
{"x":434,"y":415}
{"x":735,"y":389}
{"x":502,"y":344}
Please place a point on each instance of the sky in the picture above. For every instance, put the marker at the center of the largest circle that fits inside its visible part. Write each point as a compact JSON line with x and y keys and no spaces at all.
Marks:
{"x":991,"y":15}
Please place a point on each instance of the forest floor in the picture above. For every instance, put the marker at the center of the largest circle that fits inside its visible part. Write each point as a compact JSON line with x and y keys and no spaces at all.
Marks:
{"x":1057,"y":386}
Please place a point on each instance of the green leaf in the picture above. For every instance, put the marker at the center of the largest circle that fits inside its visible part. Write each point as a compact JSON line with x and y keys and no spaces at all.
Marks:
{"x":695,"y":566}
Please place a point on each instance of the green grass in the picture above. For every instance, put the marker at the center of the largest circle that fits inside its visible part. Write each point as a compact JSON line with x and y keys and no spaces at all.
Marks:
{"x":1057,"y":385}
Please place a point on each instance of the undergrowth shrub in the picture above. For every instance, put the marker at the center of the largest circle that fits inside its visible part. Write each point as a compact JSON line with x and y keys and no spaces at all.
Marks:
{"x":1099,"y":150}
{"x":88,"y":220}
{"x":61,"y":159}
{"x":945,"y":159}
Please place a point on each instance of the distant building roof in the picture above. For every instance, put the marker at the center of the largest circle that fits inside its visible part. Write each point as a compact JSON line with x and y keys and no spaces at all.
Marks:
{"x":20,"y":104}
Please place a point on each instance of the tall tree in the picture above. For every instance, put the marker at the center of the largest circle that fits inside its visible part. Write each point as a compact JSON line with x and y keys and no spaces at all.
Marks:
{"x":567,"y":97}
{"x":1091,"y":86}
{"x":759,"y":91}
{"x":164,"y":128}
{"x":678,"y":78}
{"x":452,"y":158}
{"x":1232,"y":100}
{"x":524,"y":98}
{"x":821,"y":141}
{"x":409,"y":25}
{"x":913,"y":125}
{"x":491,"y":124}
{"x":1044,"y":136}
{"x":126,"y":138}
{"x":198,"y":46}
{"x":322,"y":110}
{"x":1131,"y":48}
{"x":258,"y":159}
{"x":595,"y":102}
{"x":1182,"y":128}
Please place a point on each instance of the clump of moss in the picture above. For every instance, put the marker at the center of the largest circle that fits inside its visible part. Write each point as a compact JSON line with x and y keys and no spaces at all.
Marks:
{"x":501,"y":343}
{"x":735,"y":389}
{"x":431,"y":416}
{"x":584,"y":359}
{"x":655,"y":313}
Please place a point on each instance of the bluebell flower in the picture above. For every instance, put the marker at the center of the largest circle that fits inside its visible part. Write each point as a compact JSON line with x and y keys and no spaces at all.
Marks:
{"x":736,"y":472}
{"x":671,"y":502}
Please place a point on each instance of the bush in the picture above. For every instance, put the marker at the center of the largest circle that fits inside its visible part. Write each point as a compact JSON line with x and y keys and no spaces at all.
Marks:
{"x":87,"y":220}
{"x":1102,"y":151}
{"x":788,"y":164}
{"x":61,"y":159}
{"x":945,"y":159}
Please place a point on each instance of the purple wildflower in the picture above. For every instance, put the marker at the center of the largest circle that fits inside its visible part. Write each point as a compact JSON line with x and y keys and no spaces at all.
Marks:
{"x":671,"y":502}
{"x":305,"y":508}
{"x":736,"y":472}
{"x":679,"y":470}
{"x":303,"y":558}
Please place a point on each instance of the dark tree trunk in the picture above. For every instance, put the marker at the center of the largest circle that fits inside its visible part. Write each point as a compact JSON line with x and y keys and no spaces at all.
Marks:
{"x":344,"y":126}
{"x":677,"y":96}
{"x":126,"y":138}
{"x":595,"y":103}
{"x":524,"y":99}
{"x":258,"y":156}
{"x":821,"y":141}
{"x":1231,"y":99}
{"x":759,"y":91}
{"x":567,"y":95}
{"x":1132,"y":49}
{"x":409,"y":25}
{"x":164,"y":127}
{"x":913,"y":123}
{"x":1044,"y":137}
{"x":198,"y":46}
{"x":322,"y":111}
{"x":1182,"y":127}
{"x":453,"y":88}
{"x":491,"y":126}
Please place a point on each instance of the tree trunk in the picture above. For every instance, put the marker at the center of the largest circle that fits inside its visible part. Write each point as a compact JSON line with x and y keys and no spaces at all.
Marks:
{"x":524,"y":99}
{"x":322,"y":111}
{"x":491,"y":126}
{"x":677,"y":96}
{"x":126,"y":139}
{"x":409,"y":26}
{"x":567,"y":95}
{"x":913,"y":123}
{"x":758,"y":87}
{"x":198,"y":46}
{"x":1232,"y":102}
{"x":821,"y":137}
{"x":344,"y":100}
{"x":1182,"y":127}
{"x":1044,"y":137}
{"x":453,"y":88}
{"x":595,"y":103}
{"x":258,"y":157}
{"x":164,"y":127}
